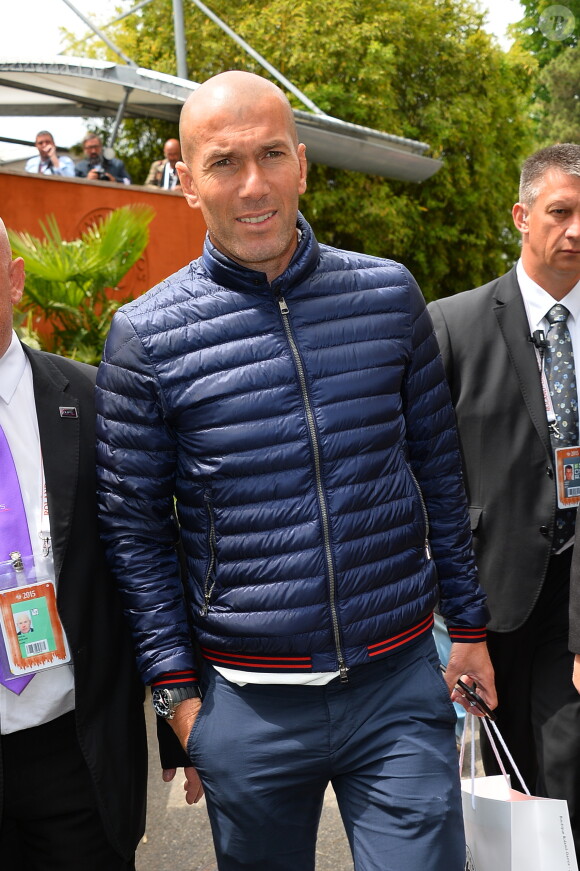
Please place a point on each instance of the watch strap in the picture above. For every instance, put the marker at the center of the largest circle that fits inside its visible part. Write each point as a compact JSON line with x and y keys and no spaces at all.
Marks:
{"x":167,"y":699}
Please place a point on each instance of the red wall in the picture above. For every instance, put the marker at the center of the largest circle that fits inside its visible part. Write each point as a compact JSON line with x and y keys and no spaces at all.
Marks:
{"x":175,"y":235}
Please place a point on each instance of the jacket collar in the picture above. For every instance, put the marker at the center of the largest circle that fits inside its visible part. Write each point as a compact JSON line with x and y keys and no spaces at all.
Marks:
{"x":60,"y":445}
{"x":227,"y":273}
{"x":513,"y":323}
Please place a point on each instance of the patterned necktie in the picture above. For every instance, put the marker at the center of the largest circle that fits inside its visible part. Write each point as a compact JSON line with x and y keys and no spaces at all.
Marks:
{"x":14,"y":536}
{"x":561,"y":377}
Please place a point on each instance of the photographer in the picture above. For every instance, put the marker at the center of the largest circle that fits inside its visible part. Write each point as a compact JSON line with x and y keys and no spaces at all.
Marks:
{"x":96,"y":166}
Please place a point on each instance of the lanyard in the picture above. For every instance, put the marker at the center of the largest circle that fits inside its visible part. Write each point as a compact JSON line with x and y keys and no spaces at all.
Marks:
{"x":550,"y":413}
{"x":44,"y":533}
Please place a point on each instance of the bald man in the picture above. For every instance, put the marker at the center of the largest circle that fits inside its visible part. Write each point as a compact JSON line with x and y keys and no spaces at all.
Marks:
{"x":280,"y":406}
{"x":72,"y":740}
{"x":163,"y":173}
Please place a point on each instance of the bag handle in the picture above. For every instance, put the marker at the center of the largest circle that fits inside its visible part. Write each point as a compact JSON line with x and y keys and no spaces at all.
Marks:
{"x":507,"y":753}
{"x":495,"y":751}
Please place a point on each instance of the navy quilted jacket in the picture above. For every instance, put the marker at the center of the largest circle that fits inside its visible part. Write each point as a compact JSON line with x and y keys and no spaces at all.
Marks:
{"x":306,"y":433}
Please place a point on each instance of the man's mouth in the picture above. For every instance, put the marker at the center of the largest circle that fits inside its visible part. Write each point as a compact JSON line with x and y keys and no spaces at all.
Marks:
{"x":258,"y":220}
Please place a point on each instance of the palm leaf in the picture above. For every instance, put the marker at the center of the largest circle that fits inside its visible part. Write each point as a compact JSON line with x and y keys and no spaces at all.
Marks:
{"x":67,"y":280}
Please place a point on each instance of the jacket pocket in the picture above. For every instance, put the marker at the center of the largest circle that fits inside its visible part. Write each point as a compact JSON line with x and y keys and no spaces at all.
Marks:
{"x":211,"y":568}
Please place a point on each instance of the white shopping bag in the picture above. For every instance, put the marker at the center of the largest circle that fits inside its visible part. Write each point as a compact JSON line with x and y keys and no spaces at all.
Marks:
{"x":508,"y":830}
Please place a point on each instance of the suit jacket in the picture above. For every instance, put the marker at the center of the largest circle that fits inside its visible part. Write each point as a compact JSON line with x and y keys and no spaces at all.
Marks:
{"x":155,"y":175}
{"x":574,"y":640}
{"x":491,"y":365}
{"x":109,"y":696}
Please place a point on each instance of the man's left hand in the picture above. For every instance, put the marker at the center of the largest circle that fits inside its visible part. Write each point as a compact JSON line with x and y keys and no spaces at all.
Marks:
{"x":472,"y":664}
{"x":192,"y":786}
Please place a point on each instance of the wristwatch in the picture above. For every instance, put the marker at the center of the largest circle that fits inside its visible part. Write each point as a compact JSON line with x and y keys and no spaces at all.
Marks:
{"x":165,"y":701}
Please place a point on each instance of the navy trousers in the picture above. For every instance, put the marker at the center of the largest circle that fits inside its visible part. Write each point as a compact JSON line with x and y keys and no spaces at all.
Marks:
{"x":385,"y":740}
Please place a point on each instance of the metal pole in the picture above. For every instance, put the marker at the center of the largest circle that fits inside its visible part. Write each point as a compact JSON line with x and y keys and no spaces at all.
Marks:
{"x":179,"y":38}
{"x":128,"y":12}
{"x":100,"y":34}
{"x":119,"y":117}
{"x":114,"y":21}
{"x":261,"y":60}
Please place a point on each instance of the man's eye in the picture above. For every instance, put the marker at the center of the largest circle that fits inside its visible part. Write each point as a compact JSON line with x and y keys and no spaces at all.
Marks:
{"x":273,"y":153}
{"x":225,"y":161}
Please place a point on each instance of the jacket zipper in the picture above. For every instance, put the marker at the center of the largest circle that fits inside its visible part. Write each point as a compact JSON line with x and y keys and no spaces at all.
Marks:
{"x":319,"y":488}
{"x":428,"y":553}
{"x":208,"y":584}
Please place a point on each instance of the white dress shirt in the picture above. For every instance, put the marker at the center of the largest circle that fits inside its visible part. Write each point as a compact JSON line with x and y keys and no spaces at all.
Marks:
{"x":51,"y":692}
{"x":66,"y":168}
{"x":538,"y":303}
{"x":169,"y":177}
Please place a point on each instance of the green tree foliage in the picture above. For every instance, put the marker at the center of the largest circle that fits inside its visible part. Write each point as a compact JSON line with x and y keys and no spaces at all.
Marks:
{"x":539,"y":40}
{"x":70,"y":282}
{"x":556,"y":93}
{"x":425,"y":71}
{"x":560,"y":120}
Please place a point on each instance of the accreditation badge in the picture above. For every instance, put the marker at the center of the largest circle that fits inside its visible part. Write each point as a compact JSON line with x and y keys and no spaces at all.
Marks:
{"x":33,"y":634}
{"x":567,"y":462}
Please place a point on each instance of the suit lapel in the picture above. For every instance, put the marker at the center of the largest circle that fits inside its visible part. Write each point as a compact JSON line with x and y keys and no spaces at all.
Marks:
{"x":59,"y":441}
{"x":512,"y":319}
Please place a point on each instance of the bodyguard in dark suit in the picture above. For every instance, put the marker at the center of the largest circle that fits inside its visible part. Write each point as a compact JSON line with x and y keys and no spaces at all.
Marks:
{"x":72,"y":743}
{"x":495,"y":341}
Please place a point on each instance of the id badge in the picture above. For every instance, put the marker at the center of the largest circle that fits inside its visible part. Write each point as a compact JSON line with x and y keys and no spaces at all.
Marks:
{"x":567,"y":461}
{"x":33,"y":634}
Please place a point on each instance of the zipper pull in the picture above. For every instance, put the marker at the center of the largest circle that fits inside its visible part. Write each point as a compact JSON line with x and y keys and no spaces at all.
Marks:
{"x":343,"y":673}
{"x":205,"y":607}
{"x":428,"y":553}
{"x":283,"y":307}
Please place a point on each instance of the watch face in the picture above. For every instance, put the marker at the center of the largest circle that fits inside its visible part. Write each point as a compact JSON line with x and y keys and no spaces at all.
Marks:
{"x":162,"y":703}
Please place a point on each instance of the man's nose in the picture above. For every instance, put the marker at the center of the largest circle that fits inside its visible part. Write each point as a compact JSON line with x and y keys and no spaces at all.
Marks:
{"x":573,"y":228}
{"x":254,"y":184}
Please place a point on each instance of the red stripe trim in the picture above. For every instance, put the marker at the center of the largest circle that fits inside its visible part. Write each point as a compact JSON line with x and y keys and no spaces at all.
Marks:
{"x":475,"y":637}
{"x":178,"y":680}
{"x":175,"y":677}
{"x":471,"y":631}
{"x":397,"y":644}
{"x":268,"y":659}
{"x":407,"y":635}
{"x":223,"y":658}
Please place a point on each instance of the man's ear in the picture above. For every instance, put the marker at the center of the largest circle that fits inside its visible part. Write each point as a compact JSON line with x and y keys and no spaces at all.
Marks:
{"x":520,"y":216}
{"x":17,"y":275}
{"x":301,"y":151}
{"x":187,"y":186}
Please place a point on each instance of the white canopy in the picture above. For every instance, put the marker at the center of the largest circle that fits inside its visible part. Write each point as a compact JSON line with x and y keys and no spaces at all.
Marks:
{"x":69,"y":86}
